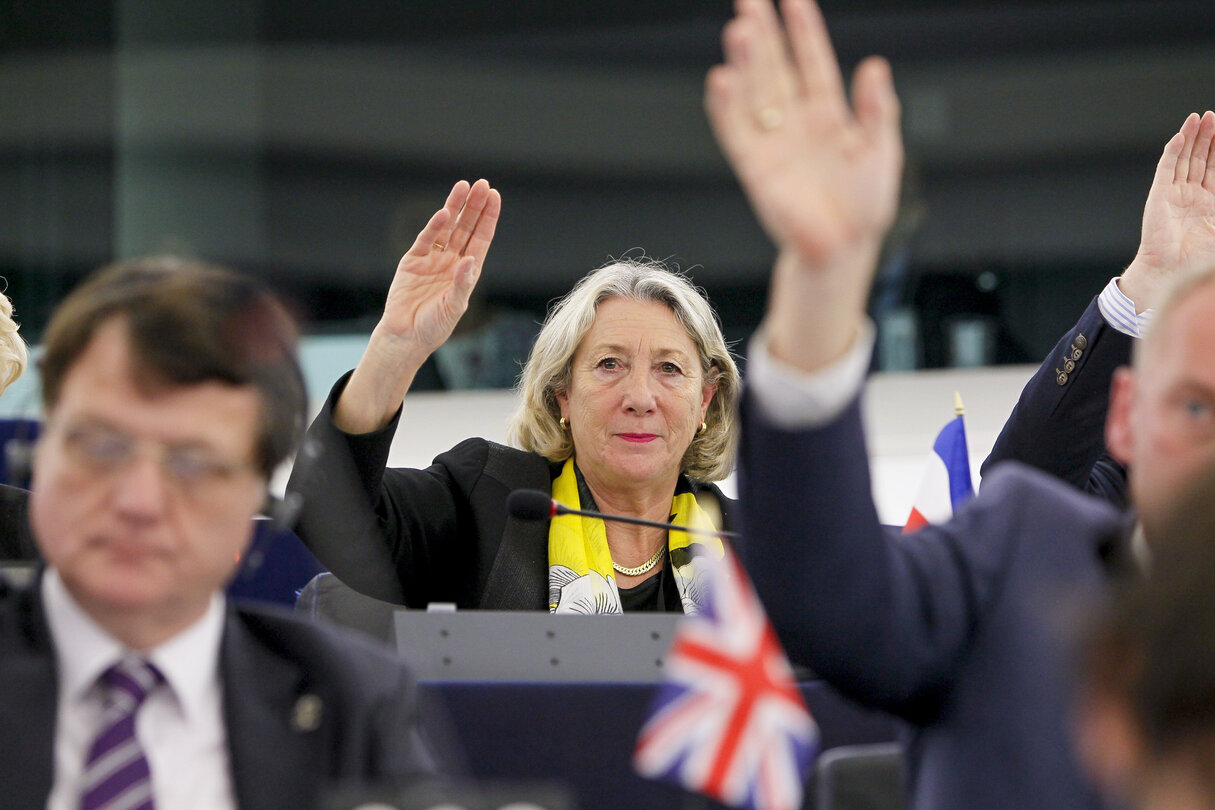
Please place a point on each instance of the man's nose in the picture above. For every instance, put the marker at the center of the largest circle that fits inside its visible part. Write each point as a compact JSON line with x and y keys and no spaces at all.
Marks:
{"x":141,"y":487}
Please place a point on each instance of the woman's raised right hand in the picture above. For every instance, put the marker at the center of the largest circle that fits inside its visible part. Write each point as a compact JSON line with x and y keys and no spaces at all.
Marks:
{"x":429,"y":293}
{"x":436,"y":276}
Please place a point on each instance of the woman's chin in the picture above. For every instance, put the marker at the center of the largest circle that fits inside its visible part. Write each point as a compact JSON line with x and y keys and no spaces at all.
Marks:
{"x":636,"y":472}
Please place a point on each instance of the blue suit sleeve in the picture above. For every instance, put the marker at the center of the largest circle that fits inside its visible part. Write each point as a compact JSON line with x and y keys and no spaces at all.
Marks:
{"x":881,"y":619}
{"x":1058,"y":424}
{"x":889,"y":619}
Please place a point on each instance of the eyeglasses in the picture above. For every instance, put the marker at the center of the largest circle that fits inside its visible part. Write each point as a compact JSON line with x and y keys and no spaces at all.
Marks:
{"x":104,"y":450}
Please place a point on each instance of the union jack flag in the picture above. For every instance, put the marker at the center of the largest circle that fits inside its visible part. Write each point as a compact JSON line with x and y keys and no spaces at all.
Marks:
{"x":729,"y":721}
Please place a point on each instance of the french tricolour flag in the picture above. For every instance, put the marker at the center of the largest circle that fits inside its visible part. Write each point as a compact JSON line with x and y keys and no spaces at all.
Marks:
{"x":946,"y":483}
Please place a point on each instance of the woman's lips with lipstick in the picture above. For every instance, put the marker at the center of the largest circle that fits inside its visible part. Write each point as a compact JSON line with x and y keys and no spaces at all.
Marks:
{"x":639,"y":438}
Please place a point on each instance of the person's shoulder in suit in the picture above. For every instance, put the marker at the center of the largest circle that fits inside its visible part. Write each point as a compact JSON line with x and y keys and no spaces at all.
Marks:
{"x":318,"y":644}
{"x":372,"y":689}
{"x":1023,"y":488}
{"x":16,"y":540}
{"x":475,"y":456}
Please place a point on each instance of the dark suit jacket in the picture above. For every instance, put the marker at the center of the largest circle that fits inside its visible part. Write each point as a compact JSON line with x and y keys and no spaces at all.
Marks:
{"x":280,"y":757}
{"x":1058,"y":424}
{"x":16,"y":539}
{"x":442,"y":534}
{"x":962,"y":629}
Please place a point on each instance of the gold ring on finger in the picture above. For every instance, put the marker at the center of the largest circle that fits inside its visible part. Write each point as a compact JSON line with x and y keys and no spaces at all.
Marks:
{"x":439,"y":246}
{"x":770,"y":118}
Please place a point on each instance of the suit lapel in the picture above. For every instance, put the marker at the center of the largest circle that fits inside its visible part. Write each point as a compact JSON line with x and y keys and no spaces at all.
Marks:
{"x":519,"y":577}
{"x":275,"y":738}
{"x":28,"y":710}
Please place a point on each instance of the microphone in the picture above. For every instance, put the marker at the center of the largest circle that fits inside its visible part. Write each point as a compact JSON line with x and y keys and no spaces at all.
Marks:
{"x":19,"y":457}
{"x":284,"y":512}
{"x":532,"y":504}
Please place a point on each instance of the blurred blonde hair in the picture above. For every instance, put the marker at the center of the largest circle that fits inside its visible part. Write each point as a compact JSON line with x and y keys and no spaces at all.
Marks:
{"x":534,"y":425}
{"x":14,"y":356}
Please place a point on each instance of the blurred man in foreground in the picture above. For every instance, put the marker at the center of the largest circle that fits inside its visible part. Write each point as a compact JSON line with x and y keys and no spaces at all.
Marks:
{"x":171,"y":393}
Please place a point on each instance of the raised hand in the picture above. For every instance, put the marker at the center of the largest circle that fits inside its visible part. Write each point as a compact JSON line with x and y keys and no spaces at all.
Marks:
{"x":436,"y":276}
{"x":822,"y":177}
{"x":1179,"y":217}
{"x":428,"y":294}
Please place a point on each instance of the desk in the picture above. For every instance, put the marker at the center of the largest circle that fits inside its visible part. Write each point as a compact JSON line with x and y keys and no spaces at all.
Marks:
{"x":541,"y":724}
{"x":583,"y":734}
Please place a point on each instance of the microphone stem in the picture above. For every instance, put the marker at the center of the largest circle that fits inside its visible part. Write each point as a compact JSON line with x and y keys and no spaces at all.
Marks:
{"x":565,"y":510}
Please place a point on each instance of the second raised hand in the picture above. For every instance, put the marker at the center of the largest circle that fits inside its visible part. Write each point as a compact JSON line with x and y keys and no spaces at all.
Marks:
{"x":1179,"y":217}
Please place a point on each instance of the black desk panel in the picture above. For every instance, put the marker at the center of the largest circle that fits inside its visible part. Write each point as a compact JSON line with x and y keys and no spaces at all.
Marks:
{"x":583,"y":734}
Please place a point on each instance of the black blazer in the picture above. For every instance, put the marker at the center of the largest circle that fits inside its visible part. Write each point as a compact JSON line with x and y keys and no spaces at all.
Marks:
{"x":441,"y":534}
{"x":16,"y":539}
{"x":281,"y":756}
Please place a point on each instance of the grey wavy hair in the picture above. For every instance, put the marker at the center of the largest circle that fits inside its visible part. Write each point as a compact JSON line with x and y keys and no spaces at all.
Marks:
{"x":534,"y":425}
{"x":14,"y":356}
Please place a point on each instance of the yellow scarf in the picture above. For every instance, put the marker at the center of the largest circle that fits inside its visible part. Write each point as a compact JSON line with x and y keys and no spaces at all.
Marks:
{"x":580,"y":574}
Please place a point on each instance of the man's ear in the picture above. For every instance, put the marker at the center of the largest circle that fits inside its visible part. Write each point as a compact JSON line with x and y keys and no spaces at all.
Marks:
{"x":1119,"y":433}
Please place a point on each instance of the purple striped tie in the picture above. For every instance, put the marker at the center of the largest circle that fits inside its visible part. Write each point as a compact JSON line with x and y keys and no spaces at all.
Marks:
{"x":116,"y":774}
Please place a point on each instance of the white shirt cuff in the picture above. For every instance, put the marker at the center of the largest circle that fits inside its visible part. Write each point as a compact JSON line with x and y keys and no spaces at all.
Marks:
{"x":794,"y":400}
{"x":1119,"y":311}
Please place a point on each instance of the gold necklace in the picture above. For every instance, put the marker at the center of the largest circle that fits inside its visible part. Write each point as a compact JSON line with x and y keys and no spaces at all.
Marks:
{"x":644,"y":567}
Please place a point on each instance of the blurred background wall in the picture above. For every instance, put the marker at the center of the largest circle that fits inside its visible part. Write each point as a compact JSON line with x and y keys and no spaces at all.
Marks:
{"x":306,"y":141}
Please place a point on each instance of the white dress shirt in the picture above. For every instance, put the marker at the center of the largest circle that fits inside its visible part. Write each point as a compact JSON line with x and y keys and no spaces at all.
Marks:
{"x":793,"y":399}
{"x":180,"y":725}
{"x":1119,"y":311}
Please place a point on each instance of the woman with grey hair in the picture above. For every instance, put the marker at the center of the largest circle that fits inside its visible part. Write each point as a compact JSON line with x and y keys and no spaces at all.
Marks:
{"x":626,"y":406}
{"x":16,"y":542}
